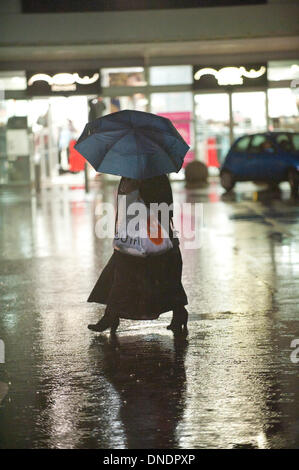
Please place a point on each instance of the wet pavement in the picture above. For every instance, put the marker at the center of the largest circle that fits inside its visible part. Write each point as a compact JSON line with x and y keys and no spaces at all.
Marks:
{"x":231,"y":384}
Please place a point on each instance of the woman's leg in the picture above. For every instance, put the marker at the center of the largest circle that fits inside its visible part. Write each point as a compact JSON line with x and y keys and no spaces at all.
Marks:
{"x":108,"y":320}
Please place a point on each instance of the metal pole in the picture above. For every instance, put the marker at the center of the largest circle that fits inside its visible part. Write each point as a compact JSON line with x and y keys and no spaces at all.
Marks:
{"x":231,"y":118}
{"x":194,"y":127}
{"x":267,"y":110}
{"x":86,"y":181}
{"x":147,"y":76}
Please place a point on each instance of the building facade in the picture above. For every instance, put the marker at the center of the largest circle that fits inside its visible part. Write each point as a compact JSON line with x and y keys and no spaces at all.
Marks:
{"x":216,"y":71}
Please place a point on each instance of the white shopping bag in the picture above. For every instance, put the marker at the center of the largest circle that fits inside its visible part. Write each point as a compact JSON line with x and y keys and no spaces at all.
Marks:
{"x":150,"y":238}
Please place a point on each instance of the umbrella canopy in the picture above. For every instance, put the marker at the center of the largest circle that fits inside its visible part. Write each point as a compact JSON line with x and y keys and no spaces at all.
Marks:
{"x":133,"y":144}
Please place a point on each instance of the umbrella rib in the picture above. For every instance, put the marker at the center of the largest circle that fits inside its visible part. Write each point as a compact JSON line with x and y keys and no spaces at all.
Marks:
{"x":159,"y":145}
{"x":96,"y":132}
{"x":114,"y":143}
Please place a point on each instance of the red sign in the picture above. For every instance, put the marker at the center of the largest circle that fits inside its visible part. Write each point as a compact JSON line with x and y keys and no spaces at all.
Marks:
{"x":76,"y":160}
{"x":182,"y":123}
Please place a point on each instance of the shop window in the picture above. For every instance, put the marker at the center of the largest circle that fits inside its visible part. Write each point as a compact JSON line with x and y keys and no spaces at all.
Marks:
{"x":12,"y":81}
{"x":171,"y":75}
{"x":16,"y":165}
{"x":249,"y":112}
{"x":137,"y":102}
{"x":120,"y":77}
{"x":9,"y":108}
{"x":171,"y":102}
{"x":283,"y":109}
{"x":283,"y":70}
{"x":212,"y":128}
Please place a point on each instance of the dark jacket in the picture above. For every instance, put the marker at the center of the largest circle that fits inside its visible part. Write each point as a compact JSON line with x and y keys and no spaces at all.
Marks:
{"x":152,"y":190}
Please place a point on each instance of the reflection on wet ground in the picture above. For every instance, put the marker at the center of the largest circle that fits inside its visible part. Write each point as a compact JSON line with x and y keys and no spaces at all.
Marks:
{"x":231,"y":384}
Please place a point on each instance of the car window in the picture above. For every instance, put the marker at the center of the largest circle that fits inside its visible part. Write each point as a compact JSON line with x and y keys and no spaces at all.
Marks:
{"x":284,"y":143}
{"x":242,"y":144}
{"x":261,"y":143}
{"x":295,"y":141}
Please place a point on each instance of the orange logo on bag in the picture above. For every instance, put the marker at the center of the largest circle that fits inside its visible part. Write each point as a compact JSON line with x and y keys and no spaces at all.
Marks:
{"x":153,"y":227}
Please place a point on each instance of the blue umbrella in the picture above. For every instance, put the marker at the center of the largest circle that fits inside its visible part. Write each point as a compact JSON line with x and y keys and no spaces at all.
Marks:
{"x":133,"y":144}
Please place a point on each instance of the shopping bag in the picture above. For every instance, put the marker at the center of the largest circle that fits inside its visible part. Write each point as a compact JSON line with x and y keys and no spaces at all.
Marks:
{"x":149,"y":238}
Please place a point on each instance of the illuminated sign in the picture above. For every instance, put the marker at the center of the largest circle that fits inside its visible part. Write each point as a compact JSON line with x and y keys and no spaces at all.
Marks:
{"x":230,"y":75}
{"x":81,"y":82}
{"x":244,"y":75}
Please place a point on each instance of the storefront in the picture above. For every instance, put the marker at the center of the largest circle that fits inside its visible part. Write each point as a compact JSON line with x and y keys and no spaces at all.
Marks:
{"x":209,"y":105}
{"x":49,"y":110}
{"x":232,"y":101}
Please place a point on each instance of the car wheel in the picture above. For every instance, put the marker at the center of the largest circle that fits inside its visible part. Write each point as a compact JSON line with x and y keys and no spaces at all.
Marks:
{"x":227,"y":180}
{"x":293,"y":178}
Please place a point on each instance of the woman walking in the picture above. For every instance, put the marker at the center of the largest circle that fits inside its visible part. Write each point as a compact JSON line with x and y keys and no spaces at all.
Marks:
{"x":142,"y":148}
{"x":142,"y":288}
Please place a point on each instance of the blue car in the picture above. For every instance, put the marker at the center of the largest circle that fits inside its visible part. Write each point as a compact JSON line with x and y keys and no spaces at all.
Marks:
{"x":269,"y":157}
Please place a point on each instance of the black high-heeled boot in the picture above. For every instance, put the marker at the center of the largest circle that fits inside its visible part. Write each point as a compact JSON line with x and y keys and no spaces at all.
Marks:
{"x":179,"y":321}
{"x":107,"y":321}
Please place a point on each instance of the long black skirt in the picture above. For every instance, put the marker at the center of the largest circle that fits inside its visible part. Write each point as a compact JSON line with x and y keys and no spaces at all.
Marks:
{"x":141,"y":288}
